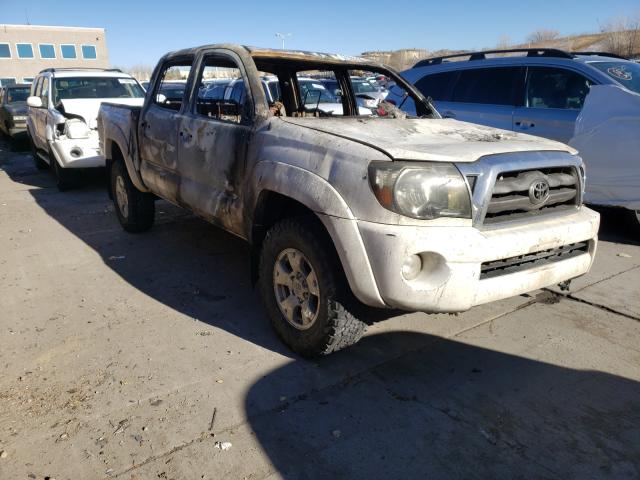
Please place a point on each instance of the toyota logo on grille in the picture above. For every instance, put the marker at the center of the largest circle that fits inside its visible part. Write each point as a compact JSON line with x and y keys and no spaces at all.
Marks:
{"x":539,"y":191}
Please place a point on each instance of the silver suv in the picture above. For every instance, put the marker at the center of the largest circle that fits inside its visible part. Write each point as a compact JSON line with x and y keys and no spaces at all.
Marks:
{"x":539,"y":93}
{"x":63,"y":108}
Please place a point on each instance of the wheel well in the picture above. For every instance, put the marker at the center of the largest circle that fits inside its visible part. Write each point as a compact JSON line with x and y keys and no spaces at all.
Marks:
{"x":272,"y":207}
{"x":116,"y":155}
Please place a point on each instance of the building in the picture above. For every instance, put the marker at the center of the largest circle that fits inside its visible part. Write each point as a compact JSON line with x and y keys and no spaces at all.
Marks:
{"x":25,"y":50}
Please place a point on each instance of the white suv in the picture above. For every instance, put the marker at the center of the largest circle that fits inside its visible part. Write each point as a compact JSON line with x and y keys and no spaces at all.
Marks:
{"x":63,"y":108}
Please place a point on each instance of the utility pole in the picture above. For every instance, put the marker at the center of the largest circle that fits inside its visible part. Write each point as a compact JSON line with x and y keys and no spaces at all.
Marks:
{"x":282,"y":36}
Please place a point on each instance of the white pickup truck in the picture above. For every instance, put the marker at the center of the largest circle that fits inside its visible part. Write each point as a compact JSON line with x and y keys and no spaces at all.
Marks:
{"x":415,"y":213}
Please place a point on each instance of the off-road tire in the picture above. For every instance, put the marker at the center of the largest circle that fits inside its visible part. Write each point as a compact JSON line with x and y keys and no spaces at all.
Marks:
{"x":335,"y":327}
{"x":37,"y":161}
{"x":140,"y":206}
{"x":66,"y":178}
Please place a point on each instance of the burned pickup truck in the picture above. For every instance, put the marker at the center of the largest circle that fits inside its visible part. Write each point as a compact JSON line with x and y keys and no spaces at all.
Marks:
{"x":347,"y":207}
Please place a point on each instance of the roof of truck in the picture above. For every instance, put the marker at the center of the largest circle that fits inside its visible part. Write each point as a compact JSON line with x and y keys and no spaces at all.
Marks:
{"x":272,"y":53}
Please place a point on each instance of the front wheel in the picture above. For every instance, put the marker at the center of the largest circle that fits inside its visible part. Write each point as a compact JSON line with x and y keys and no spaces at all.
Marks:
{"x":135,"y":209}
{"x":634,"y":217}
{"x":304,"y":291}
{"x":37,"y":160}
{"x":66,"y":178}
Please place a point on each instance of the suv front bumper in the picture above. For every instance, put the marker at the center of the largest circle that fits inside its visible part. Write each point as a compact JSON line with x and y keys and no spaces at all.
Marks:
{"x":452,"y":260}
{"x":78,"y":153}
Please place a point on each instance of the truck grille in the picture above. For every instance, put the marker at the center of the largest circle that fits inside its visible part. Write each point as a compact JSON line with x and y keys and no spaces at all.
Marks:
{"x":531,"y":260}
{"x":530,"y":192}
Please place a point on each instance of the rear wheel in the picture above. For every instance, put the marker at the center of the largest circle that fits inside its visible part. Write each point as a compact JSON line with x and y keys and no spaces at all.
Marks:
{"x":304,"y":290}
{"x":135,"y":209}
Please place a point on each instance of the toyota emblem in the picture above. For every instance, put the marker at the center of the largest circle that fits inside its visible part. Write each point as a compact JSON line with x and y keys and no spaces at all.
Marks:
{"x":539,"y":191}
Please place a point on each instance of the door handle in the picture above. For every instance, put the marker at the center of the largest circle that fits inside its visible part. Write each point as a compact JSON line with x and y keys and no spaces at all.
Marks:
{"x":525,"y":125}
{"x":448,"y":114}
{"x":185,"y":135}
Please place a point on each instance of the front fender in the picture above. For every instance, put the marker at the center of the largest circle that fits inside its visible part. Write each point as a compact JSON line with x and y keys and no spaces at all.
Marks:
{"x":325,"y":201}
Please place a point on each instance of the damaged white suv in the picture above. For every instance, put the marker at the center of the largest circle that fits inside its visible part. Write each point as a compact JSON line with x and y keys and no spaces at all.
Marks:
{"x":63,"y":107}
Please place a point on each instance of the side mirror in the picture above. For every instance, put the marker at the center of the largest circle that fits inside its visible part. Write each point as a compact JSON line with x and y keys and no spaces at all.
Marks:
{"x":35,"y":102}
{"x":160,"y":98}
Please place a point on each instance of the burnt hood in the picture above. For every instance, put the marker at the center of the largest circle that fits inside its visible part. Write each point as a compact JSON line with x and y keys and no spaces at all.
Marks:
{"x":440,"y":140}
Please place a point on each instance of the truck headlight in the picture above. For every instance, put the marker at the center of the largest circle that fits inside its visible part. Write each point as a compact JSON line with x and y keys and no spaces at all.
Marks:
{"x":20,"y":118}
{"x":423,"y":190}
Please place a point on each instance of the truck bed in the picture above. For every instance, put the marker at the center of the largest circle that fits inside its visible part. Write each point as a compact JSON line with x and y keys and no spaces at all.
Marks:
{"x":119,"y":124}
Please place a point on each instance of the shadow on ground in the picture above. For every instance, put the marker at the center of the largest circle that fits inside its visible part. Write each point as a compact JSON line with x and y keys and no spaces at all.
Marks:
{"x":451,"y":410}
{"x":617,"y":225}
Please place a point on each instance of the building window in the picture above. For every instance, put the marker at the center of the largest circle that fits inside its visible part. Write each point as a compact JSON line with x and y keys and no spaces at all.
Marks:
{"x":5,"y":51}
{"x":25,"y":50}
{"x":27,"y":79}
{"x":47,"y":50}
{"x":5,"y":82}
{"x":68,"y":51}
{"x":89,"y":52}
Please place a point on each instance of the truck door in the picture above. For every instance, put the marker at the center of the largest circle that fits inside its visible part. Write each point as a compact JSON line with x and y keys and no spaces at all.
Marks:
{"x":39,"y":115}
{"x":158,"y":128}
{"x":213,"y":136}
{"x":553,"y":100}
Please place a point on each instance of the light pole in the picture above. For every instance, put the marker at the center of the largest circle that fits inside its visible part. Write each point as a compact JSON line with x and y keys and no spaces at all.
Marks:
{"x":282,"y":36}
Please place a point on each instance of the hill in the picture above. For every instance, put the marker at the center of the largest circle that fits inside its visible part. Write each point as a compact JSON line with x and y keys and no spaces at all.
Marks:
{"x":594,"y":42}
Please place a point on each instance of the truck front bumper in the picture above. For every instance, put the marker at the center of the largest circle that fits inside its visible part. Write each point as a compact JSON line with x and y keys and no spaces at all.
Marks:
{"x":464,"y":266}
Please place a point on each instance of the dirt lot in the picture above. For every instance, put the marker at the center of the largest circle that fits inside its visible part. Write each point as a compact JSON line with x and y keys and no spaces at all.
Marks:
{"x":118,"y":349}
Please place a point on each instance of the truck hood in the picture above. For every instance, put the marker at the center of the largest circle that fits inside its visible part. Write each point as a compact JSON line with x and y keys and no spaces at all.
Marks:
{"x":440,"y":140}
{"x":87,"y":108}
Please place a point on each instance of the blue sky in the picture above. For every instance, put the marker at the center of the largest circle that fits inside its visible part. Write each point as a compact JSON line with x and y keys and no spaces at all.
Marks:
{"x":140,"y":32}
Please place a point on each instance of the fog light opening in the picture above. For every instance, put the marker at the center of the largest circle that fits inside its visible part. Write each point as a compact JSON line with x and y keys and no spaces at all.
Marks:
{"x":76,"y":152}
{"x":411,"y":267}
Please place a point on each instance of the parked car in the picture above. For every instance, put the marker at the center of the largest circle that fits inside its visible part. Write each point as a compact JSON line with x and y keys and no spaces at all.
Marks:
{"x":390,"y":211}
{"x":61,"y":123}
{"x":215,"y":88}
{"x":13,"y":109}
{"x":315,"y":96}
{"x":370,"y":95}
{"x":541,"y":93}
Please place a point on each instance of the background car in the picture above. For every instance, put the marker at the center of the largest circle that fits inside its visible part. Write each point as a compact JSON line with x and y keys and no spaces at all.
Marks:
{"x":13,"y":109}
{"x":540,"y":92}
